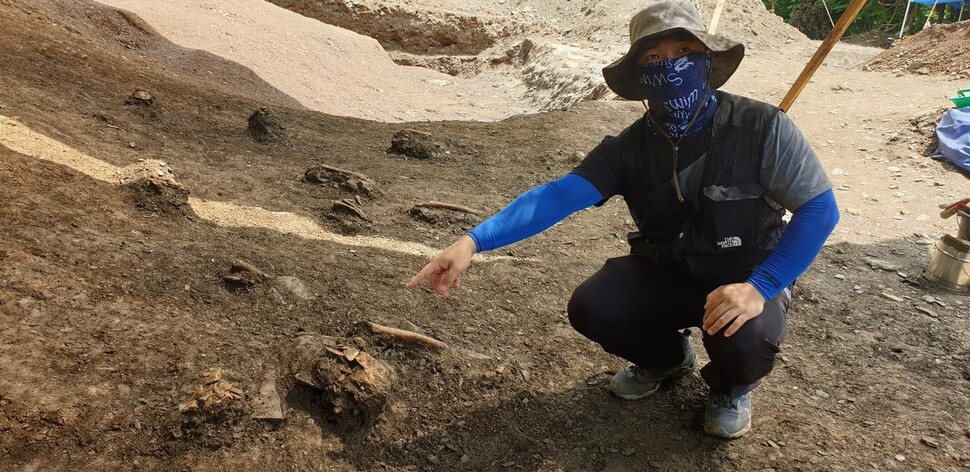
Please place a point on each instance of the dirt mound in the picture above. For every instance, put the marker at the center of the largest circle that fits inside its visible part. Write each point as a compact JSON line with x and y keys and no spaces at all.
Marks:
{"x":407,"y":27}
{"x":940,"y":50}
{"x":431,"y":60}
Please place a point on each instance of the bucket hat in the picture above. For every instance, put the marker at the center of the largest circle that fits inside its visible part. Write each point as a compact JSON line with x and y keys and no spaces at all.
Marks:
{"x":661,"y":19}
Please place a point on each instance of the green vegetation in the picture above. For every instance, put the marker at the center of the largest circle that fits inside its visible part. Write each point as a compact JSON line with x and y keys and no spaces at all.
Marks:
{"x":886,"y":16}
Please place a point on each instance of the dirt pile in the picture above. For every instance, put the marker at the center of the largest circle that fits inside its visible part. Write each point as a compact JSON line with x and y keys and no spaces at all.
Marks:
{"x":430,"y":60}
{"x":940,"y":50}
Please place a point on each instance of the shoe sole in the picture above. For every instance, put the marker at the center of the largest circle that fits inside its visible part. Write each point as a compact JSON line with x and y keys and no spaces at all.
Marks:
{"x":718,"y":434}
{"x":677,"y":374}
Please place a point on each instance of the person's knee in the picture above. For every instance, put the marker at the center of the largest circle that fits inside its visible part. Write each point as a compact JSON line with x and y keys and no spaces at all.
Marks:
{"x":581,"y":311}
{"x":749,"y":353}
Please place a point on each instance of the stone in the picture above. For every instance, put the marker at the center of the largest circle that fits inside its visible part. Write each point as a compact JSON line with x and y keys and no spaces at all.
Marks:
{"x":882,"y":265}
{"x":927,"y":311}
{"x":141,"y":98}
{"x":892,"y":297}
{"x":267,"y":403}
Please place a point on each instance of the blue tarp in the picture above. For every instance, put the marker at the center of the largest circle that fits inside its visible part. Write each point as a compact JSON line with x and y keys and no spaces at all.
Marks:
{"x":954,"y":135}
{"x":955,"y":3}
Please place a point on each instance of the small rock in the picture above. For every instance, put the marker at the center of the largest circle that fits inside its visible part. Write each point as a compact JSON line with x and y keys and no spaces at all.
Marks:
{"x":927,"y":311}
{"x":882,"y":265}
{"x":268,"y":406}
{"x":629,"y":451}
{"x":141,"y":98}
{"x":900,"y":457}
{"x":892,"y":297}
{"x":929,"y":442}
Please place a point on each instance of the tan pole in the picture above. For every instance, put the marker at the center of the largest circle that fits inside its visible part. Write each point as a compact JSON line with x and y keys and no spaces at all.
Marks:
{"x":843,"y":24}
{"x":716,"y":18}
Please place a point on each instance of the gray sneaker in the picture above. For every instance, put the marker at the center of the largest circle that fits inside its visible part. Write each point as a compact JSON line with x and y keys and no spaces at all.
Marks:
{"x":634,"y":382}
{"x":727,"y":416}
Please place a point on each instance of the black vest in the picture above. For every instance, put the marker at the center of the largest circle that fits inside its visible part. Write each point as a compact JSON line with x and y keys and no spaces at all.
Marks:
{"x":726,"y":227}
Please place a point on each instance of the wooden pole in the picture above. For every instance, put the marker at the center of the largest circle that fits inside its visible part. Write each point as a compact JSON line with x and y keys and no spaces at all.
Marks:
{"x":716,"y":18}
{"x":843,"y":24}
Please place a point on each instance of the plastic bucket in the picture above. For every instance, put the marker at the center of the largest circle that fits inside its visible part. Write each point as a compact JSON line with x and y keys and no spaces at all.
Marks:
{"x":950,"y":265}
{"x":961,"y":99}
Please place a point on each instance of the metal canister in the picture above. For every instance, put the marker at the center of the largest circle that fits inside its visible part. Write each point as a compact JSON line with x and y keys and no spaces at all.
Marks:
{"x":950,"y":265}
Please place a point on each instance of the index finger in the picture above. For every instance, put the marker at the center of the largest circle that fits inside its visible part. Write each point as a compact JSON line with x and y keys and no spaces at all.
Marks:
{"x":420,"y":276}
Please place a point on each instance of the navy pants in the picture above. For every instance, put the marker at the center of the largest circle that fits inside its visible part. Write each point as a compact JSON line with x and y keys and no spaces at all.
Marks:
{"x":637,"y":311}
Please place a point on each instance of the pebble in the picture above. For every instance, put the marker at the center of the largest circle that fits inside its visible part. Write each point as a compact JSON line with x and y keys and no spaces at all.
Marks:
{"x":882,"y":265}
{"x":629,"y":451}
{"x":900,"y":457}
{"x":892,"y":297}
{"x":927,"y":311}
{"x":930,"y":442}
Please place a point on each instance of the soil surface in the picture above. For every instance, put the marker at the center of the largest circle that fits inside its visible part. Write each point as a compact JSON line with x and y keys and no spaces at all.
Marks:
{"x":940,"y":49}
{"x":178,"y":295}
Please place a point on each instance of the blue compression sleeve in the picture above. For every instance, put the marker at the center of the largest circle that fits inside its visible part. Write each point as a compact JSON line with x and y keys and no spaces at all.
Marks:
{"x":811,"y":224}
{"x":535,"y":211}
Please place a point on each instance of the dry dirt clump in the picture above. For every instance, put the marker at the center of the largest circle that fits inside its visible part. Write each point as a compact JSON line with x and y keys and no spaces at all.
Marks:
{"x":940,"y":50}
{"x":266,"y":127}
{"x":352,"y":387}
{"x":213,"y":413}
{"x":416,"y":144}
{"x":346,"y":180}
{"x":152,"y":187}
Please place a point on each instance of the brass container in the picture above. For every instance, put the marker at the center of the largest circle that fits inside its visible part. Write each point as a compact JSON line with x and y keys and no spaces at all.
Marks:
{"x":950,"y":265}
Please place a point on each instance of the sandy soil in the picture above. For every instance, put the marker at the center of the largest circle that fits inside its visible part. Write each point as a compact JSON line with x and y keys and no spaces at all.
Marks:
{"x":124,"y":222}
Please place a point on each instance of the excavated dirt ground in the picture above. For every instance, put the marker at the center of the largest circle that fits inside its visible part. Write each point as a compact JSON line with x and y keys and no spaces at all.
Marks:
{"x":131,"y":340}
{"x":940,"y":49}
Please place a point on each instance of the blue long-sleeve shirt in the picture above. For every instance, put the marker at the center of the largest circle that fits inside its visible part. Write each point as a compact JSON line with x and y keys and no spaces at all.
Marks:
{"x":540,"y":208}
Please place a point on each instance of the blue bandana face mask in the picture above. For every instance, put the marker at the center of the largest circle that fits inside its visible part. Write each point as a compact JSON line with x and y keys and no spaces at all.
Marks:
{"x":675,"y":88}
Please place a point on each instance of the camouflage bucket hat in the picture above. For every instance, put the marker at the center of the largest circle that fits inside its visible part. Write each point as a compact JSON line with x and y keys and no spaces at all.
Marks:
{"x":665,"y":18}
